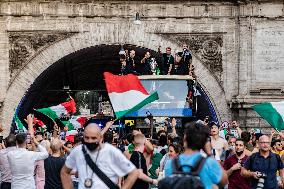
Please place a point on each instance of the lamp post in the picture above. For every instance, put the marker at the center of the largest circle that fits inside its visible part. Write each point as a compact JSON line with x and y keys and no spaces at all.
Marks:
{"x":137,"y":20}
{"x":122,"y":51}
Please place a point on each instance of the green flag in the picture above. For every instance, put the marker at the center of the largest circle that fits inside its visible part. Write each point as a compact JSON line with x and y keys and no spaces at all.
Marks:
{"x":272,"y":112}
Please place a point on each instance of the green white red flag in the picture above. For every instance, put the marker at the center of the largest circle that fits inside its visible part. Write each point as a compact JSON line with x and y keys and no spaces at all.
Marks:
{"x":70,"y":135}
{"x":55,"y":112}
{"x":127,"y":94}
{"x":19,"y":123}
{"x":272,"y":112}
{"x":78,"y":121}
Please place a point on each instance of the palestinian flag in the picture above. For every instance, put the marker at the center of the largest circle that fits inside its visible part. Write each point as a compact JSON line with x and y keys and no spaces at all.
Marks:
{"x":127,"y":94}
{"x":272,"y":112}
{"x":55,"y":112}
{"x":78,"y":121}
{"x":19,"y":123}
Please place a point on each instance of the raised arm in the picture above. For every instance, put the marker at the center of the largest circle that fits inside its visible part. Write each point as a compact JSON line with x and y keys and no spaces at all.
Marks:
{"x":30,"y":120}
{"x":174,"y":123}
{"x":42,"y":154}
{"x":106,"y":128}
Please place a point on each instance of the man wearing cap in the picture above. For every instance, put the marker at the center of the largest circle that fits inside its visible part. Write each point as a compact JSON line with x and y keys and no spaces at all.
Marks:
{"x":219,"y":145}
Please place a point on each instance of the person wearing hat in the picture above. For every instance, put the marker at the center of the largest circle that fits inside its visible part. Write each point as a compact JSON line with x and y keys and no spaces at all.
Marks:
{"x":219,"y":145}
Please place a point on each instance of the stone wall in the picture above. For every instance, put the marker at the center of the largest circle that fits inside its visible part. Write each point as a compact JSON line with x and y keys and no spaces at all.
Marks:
{"x":237,"y":47}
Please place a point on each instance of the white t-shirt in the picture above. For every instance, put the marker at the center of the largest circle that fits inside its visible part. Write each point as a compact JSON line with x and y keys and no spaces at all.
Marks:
{"x":110,"y":160}
{"x":22,"y":164}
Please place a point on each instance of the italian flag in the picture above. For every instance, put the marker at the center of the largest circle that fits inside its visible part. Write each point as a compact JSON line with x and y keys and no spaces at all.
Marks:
{"x":127,"y":94}
{"x":78,"y":121}
{"x":19,"y":123}
{"x":70,"y":135}
{"x":75,"y":122}
{"x":272,"y":112}
{"x":60,"y":110}
{"x":40,"y":124}
{"x":69,"y":124}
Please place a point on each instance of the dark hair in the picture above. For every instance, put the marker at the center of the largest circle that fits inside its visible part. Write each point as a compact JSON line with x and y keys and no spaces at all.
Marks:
{"x":68,"y":142}
{"x":163,"y":140}
{"x":78,"y":138}
{"x":179,"y":54}
{"x":168,"y":48}
{"x":246,"y":136}
{"x":129,"y":137}
{"x":212,"y":123}
{"x":10,"y":140}
{"x":257,"y":135}
{"x":108,"y":137}
{"x":160,"y":132}
{"x":39,"y":133}
{"x":274,"y":141}
{"x":240,"y":139}
{"x":177,"y":148}
{"x":122,"y":56}
{"x":21,"y":138}
{"x":196,"y":135}
{"x":154,"y":142}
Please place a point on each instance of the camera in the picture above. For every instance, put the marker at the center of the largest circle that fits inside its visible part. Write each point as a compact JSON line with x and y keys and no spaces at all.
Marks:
{"x":261,"y":180}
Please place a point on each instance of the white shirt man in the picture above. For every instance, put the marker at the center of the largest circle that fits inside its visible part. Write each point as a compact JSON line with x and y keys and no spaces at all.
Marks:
{"x":108,"y":159}
{"x":22,"y":163}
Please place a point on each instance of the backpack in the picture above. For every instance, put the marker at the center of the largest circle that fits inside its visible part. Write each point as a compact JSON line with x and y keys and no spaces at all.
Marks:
{"x":183,"y":180}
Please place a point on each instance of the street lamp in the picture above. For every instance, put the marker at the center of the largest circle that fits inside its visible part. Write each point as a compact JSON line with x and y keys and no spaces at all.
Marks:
{"x":137,"y":20}
{"x":122,"y":51}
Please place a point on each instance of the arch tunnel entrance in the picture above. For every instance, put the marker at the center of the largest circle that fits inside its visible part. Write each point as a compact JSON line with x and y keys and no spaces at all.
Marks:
{"x":80,"y":74}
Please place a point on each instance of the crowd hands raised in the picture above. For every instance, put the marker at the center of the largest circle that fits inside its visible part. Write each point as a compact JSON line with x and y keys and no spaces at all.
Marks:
{"x":180,"y":63}
{"x":247,"y":159}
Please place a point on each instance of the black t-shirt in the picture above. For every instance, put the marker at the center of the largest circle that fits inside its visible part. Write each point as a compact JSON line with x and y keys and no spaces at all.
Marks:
{"x":139,"y":161}
{"x":183,"y":68}
{"x":186,"y":56}
{"x":167,"y":61}
{"x":52,"y":167}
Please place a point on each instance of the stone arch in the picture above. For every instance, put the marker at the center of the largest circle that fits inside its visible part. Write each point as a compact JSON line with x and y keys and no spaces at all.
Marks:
{"x":138,"y":36}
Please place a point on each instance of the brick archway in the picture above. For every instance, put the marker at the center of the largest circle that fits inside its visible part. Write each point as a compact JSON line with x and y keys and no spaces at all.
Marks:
{"x":137,"y":36}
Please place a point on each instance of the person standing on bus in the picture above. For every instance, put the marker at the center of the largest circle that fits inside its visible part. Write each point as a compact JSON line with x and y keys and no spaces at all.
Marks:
{"x":167,"y":61}
{"x":186,"y":67}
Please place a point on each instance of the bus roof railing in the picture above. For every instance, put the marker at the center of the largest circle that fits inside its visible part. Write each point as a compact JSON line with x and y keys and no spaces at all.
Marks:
{"x":165,"y":77}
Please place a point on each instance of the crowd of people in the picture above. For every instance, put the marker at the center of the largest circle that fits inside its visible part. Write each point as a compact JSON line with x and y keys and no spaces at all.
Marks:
{"x":180,"y":63}
{"x":101,"y":158}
